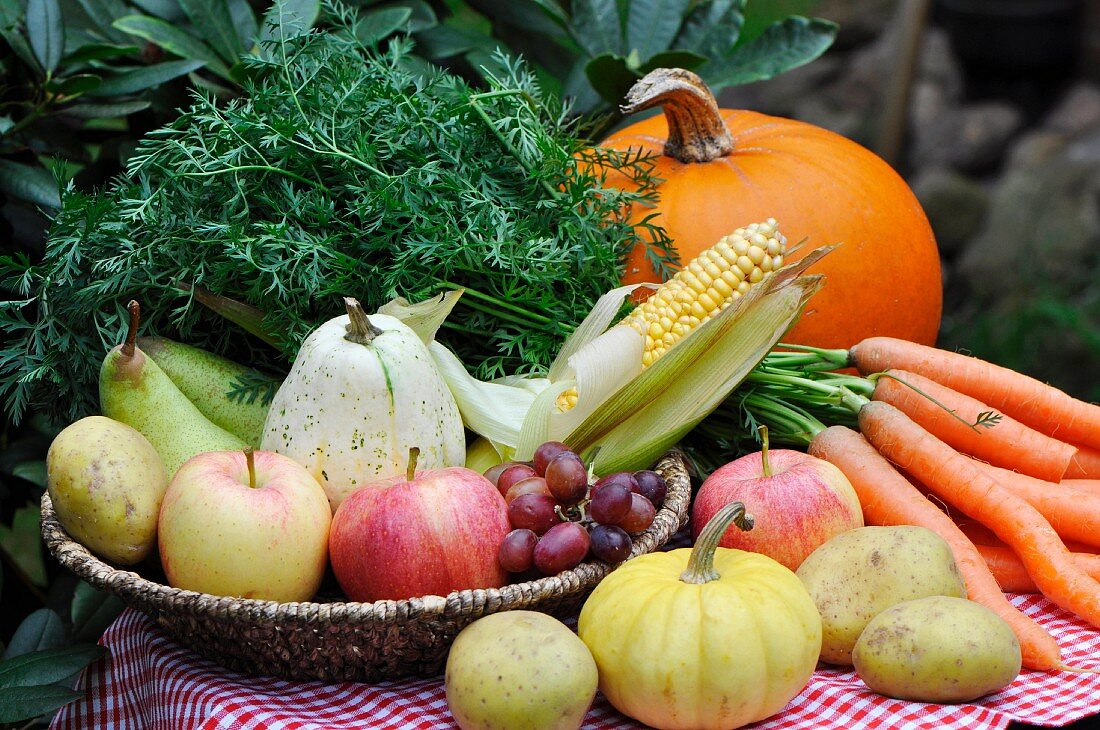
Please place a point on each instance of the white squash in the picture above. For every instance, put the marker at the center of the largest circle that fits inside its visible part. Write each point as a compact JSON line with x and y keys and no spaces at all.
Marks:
{"x":361,"y":393}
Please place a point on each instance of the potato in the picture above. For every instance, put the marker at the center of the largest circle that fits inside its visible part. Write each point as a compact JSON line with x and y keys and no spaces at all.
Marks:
{"x":519,"y":670}
{"x":937,"y":649}
{"x":107,"y":482}
{"x":860,"y":573}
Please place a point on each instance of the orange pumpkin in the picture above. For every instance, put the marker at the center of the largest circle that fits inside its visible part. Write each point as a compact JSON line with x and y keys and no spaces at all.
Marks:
{"x":723,"y":168}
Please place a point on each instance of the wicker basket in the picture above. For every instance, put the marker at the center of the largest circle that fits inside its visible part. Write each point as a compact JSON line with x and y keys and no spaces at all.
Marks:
{"x":365,"y":642}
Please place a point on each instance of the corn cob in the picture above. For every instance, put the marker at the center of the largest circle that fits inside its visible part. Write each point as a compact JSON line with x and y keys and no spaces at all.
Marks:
{"x":702,"y":289}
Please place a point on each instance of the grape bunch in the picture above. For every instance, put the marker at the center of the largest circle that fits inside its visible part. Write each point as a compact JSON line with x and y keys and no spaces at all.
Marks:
{"x":559,"y":518}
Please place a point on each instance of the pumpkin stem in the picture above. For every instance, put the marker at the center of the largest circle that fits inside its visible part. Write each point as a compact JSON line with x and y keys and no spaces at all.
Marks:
{"x":767,"y":468}
{"x":700,"y":568}
{"x":410,"y":470}
{"x":359,"y":329}
{"x":129,"y":345}
{"x":696,"y":130}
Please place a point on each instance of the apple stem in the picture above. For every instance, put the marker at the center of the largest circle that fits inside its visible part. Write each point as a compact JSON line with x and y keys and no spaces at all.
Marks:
{"x":700,"y":567}
{"x":414,"y":455}
{"x":250,"y":459}
{"x":764,"y":451}
{"x":130,"y":344}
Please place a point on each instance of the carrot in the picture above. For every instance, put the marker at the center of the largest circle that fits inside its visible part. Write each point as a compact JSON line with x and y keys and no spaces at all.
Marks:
{"x":887,"y":498}
{"x":967,"y":487}
{"x":946,"y":413}
{"x":1011,"y":575}
{"x":1030,"y":401}
{"x":1084,"y":485}
{"x":1085,"y":464}
{"x":1074,"y":514}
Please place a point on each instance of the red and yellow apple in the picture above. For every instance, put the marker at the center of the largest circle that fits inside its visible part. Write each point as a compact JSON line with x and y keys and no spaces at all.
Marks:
{"x":797,"y":502}
{"x":431,"y":533}
{"x":245,"y":524}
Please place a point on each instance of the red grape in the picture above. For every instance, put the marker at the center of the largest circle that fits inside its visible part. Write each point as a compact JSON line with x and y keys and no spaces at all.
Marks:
{"x":517,"y":550}
{"x":513,"y":474}
{"x":610,"y":504}
{"x":639,"y":516}
{"x":652,"y":486}
{"x":567,"y":478}
{"x":563,"y":547}
{"x":546,"y":452}
{"x":610,"y":543}
{"x":493,"y":472}
{"x":530,"y":485}
{"x":533,"y":512}
{"x":624,"y":478}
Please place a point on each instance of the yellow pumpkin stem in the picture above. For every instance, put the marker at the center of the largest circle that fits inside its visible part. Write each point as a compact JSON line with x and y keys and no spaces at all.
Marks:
{"x":696,"y":130}
{"x":410,"y":470}
{"x":700,"y":567}
{"x":359,"y":329}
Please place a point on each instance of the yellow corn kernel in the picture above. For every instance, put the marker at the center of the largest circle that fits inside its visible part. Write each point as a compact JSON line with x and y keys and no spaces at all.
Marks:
{"x":707,"y":285}
{"x":702,"y":289}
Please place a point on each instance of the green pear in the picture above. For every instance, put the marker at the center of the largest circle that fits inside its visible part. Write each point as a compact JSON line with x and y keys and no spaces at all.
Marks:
{"x":134,"y":390}
{"x":207,"y":380}
{"x":107,"y":483}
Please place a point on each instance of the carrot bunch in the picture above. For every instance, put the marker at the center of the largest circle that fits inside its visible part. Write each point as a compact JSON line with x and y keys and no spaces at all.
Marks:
{"x":938,"y":439}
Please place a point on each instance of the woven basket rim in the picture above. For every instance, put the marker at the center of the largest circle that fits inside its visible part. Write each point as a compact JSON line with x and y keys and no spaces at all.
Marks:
{"x":133,"y":587}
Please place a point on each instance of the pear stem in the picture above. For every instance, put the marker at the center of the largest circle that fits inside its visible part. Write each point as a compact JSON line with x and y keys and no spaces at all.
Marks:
{"x":764,"y":451}
{"x":250,"y":459}
{"x":700,"y":567}
{"x":414,"y":455}
{"x":359,"y":329}
{"x":696,"y":130}
{"x":130,"y":345}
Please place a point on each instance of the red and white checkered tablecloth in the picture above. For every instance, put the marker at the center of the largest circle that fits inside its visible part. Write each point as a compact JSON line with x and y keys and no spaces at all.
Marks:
{"x":148,"y":682}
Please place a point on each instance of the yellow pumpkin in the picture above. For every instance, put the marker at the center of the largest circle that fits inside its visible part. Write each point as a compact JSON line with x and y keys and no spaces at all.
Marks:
{"x":703,"y":637}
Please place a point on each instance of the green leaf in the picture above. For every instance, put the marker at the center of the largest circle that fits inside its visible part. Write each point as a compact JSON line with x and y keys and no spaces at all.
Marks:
{"x":288,"y":18}
{"x":712,"y":29}
{"x":6,"y":123}
{"x":597,"y":26}
{"x":214,"y":22}
{"x":652,"y":24}
{"x":172,"y":39}
{"x":443,"y":41}
{"x":33,"y":471}
{"x":783,"y":46}
{"x":105,"y":12}
{"x":48,"y":665}
{"x":93,"y":611}
{"x":11,"y":11}
{"x":423,"y":16}
{"x":673,"y":59}
{"x":759,"y":16}
{"x":107,"y":111}
{"x":98,"y":52}
{"x":43,"y":629}
{"x":169,"y":10}
{"x":22,"y":543}
{"x":129,"y":82}
{"x":46,"y":32}
{"x":34,"y":184}
{"x":611,"y":76}
{"x":74,"y":85}
{"x":244,"y":22}
{"x":374,"y":25}
{"x":22,"y":49}
{"x":24,"y":703}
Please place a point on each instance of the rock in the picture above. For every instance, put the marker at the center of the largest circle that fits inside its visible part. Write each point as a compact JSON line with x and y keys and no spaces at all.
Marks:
{"x":955,"y":205}
{"x":939,"y":64}
{"x":1043,"y":224}
{"x":1035,"y":148}
{"x":1085,"y":150}
{"x":1077,"y":112}
{"x":860,"y":21}
{"x":971,"y":138}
